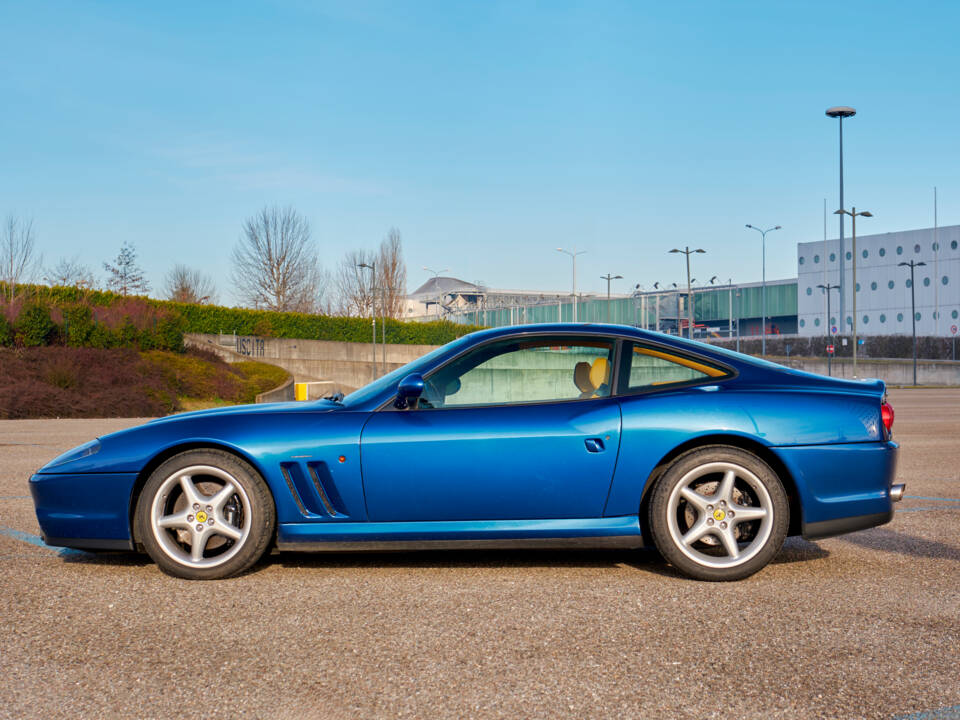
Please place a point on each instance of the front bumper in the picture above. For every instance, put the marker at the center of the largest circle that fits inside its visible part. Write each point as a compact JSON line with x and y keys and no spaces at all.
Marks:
{"x":82,"y":510}
{"x":842,"y":487}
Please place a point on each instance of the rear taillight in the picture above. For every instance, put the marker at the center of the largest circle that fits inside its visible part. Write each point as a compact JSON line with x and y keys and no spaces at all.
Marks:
{"x":886,"y":414}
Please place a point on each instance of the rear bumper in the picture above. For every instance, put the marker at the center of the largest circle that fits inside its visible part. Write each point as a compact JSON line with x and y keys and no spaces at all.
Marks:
{"x":844,"y":487}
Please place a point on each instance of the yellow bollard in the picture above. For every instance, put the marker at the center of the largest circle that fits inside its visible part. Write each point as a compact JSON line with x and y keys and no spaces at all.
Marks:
{"x":300,"y":391}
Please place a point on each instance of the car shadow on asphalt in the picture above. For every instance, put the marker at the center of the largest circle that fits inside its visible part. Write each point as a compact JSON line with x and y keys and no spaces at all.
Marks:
{"x":901,"y":543}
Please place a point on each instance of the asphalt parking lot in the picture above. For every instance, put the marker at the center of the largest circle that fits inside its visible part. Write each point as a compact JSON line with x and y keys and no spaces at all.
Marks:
{"x":866,"y":625}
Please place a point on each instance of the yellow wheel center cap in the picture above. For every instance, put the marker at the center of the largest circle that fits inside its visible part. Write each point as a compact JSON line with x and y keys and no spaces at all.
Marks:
{"x":717,"y":515}
{"x":201,"y":517}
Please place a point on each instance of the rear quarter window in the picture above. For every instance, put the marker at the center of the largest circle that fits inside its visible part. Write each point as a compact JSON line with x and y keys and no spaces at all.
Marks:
{"x":650,"y":367}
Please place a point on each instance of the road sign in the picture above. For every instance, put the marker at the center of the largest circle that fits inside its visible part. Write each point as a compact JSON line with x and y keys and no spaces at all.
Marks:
{"x":829,"y":349}
{"x":953,"y":329}
{"x":834,"y":330}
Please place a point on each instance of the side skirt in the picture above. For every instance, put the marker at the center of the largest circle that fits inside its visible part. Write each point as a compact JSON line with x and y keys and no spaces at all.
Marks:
{"x":623,"y":532}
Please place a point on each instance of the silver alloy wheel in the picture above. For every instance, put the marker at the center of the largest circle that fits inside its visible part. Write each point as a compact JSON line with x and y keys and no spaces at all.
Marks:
{"x":719,"y":514}
{"x":214,"y":526}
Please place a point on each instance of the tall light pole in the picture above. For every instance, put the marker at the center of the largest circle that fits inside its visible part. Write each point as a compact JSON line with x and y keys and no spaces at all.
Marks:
{"x":608,"y":277}
{"x":853,"y":215}
{"x":573,"y":256}
{"x":688,"y":252}
{"x":913,"y":311}
{"x":763,"y":289}
{"x":827,"y":288}
{"x":373,"y":313}
{"x":840,"y":112}
{"x":436,"y":273}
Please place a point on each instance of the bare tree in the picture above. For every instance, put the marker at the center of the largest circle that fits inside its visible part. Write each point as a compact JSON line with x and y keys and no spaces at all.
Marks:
{"x":354,"y":284}
{"x":18,"y":259}
{"x":125,"y":275}
{"x":70,"y":272}
{"x":392,"y":275}
{"x":275,"y":262}
{"x":186,"y":285}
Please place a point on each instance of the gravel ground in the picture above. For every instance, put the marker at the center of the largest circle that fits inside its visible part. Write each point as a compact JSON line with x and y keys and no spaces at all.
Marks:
{"x":866,"y":625}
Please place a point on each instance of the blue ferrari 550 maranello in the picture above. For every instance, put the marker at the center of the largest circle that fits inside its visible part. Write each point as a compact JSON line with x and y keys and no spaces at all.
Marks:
{"x":532,"y":436}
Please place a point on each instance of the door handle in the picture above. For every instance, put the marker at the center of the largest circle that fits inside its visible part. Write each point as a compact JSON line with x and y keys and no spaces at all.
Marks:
{"x":594,"y":445}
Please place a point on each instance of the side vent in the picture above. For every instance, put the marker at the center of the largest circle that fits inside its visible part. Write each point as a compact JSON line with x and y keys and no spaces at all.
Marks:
{"x":326,"y":488}
{"x":313,"y":489}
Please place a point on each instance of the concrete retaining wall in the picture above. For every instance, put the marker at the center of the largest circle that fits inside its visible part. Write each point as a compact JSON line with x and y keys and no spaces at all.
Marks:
{"x":347,"y":364}
{"x":892,"y":372}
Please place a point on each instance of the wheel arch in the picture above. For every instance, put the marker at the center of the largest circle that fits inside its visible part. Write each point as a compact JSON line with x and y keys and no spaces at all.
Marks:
{"x":169,"y":452}
{"x":719,"y":439}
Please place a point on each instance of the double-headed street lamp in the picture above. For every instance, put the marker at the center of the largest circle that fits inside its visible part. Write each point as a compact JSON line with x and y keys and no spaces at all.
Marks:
{"x":827,"y":288}
{"x":763,"y":289}
{"x":688,"y":252}
{"x":573,"y":256}
{"x":913,"y":311}
{"x":854,"y":215}
{"x":608,"y":277}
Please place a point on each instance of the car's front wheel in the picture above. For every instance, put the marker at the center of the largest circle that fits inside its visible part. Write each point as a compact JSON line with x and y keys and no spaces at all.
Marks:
{"x":719,"y":513}
{"x":205,"y":515}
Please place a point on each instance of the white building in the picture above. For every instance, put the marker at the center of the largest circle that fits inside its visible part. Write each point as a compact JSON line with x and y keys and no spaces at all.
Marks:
{"x":883,"y":286}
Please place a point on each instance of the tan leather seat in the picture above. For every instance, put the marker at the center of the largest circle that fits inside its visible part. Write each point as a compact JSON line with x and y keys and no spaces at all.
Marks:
{"x":581,"y":378}
{"x":600,"y":377}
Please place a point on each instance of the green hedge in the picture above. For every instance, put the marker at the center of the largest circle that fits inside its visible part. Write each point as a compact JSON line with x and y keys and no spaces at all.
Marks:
{"x":95,"y":318}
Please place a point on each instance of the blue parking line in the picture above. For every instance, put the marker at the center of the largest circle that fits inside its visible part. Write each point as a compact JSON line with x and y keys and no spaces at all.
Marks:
{"x":918,"y":509}
{"x":37,"y":541}
{"x":926,"y":497}
{"x":14,"y":497}
{"x":944,"y":713}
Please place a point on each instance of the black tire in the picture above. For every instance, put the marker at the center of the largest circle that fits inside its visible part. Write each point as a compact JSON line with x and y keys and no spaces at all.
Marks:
{"x":707,"y":556}
{"x":248,"y":515}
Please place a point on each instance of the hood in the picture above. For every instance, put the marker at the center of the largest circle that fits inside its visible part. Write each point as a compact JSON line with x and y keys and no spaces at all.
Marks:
{"x":258,"y":409}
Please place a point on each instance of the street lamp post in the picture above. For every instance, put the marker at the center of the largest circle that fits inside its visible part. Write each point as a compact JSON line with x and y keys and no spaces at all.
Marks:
{"x":763,"y":289}
{"x":688,"y":252}
{"x":573,"y":256}
{"x":608,"y":277}
{"x":373,"y":313}
{"x":840,"y":112}
{"x":913,"y":311}
{"x":827,"y":288}
{"x":853,"y":215}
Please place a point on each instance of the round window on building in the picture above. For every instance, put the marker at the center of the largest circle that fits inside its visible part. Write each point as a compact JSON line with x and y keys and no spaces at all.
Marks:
{"x":882,"y":252}
{"x":936,"y":315}
{"x":833,"y":257}
{"x":916,"y":248}
{"x":865,"y":254}
{"x":954,"y":314}
{"x":849,"y":255}
{"x":953,"y":244}
{"x":917,"y":316}
{"x":899,"y":249}
{"x":899,"y":317}
{"x":909,"y":283}
{"x":866,"y":319}
{"x":803,"y":323}
{"x":890,"y":284}
{"x":936,"y":247}
{"x":833,"y":321}
{"x":816,"y":259}
{"x":858,"y":287}
{"x":945,"y":280}
{"x":849,"y":321}
{"x":926,"y":282}
{"x":873,"y":286}
{"x":809,"y":291}
{"x":816,"y":321}
{"x":801,"y":260}
{"x":883,"y":318}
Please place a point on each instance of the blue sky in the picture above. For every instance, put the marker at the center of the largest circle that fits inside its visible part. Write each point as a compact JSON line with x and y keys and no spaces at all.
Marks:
{"x":488,"y":132}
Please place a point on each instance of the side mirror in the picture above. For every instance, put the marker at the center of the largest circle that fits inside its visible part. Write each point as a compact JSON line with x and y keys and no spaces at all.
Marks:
{"x":410,"y":388}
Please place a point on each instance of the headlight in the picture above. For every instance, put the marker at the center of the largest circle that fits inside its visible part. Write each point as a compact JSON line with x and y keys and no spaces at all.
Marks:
{"x":78,"y":453}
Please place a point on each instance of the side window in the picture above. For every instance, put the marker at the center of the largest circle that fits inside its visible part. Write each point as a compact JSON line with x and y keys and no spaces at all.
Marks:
{"x":543,"y":369}
{"x":647,"y":367}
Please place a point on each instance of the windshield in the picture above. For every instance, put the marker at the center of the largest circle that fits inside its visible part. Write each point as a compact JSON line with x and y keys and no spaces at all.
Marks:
{"x":390,"y":380}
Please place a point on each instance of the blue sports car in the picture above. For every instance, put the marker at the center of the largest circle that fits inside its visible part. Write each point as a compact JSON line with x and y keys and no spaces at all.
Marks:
{"x":532,"y":436}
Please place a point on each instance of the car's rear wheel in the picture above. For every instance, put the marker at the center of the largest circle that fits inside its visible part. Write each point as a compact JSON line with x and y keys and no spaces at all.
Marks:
{"x":719,"y":513}
{"x":204,"y":515}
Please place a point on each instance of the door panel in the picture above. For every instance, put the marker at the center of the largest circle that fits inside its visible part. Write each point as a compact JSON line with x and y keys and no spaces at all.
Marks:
{"x":491,"y":463}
